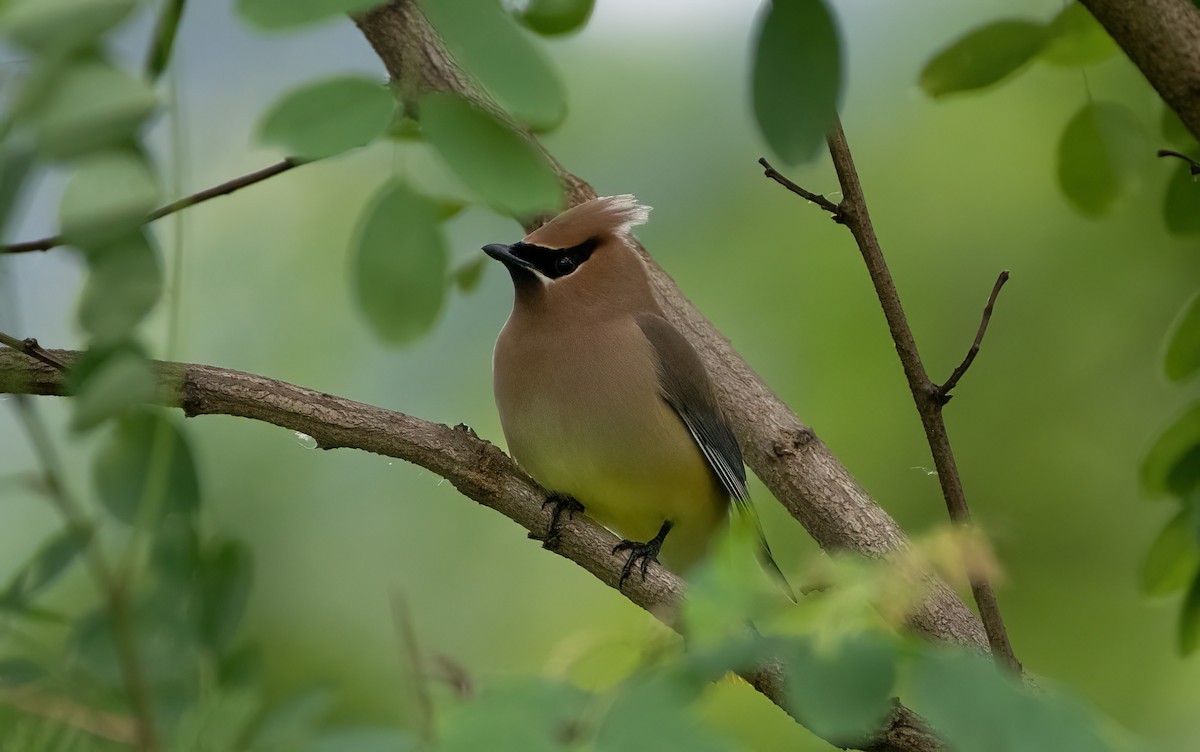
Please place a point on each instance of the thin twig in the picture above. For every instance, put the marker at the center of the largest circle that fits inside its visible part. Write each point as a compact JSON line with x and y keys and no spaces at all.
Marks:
{"x":224,"y":189}
{"x":30,"y":347}
{"x":402,"y":617}
{"x":807,"y":195}
{"x":853,"y":213}
{"x":1193,"y":165}
{"x":117,"y":728}
{"x":944,"y":390}
{"x":478,"y":469}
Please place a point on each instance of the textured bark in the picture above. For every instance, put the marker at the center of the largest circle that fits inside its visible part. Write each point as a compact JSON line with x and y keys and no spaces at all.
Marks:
{"x":478,"y":469}
{"x":784,"y":452}
{"x":1162,"y":38}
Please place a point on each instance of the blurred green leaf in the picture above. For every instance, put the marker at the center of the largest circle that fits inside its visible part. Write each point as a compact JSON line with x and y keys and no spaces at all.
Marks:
{"x":54,"y":557}
{"x":224,"y":591}
{"x":241,"y":667}
{"x":489,"y":44}
{"x":1173,"y":558}
{"x":109,"y":194}
{"x":1189,"y":618}
{"x":95,"y":105}
{"x":728,"y":590}
{"x":175,"y":550}
{"x":1181,"y":207}
{"x":985,"y":56}
{"x":399,"y":264}
{"x":469,"y":274}
{"x":59,"y":25}
{"x":1174,"y":131}
{"x":328,"y":117}
{"x":797,"y":77}
{"x":1182,"y":357}
{"x":1099,"y":155}
{"x":1172,"y":466}
{"x":164,"y":38}
{"x":146,"y":460}
{"x":1075,"y":38}
{"x":120,"y":382}
{"x":282,"y":14}
{"x":841,"y":692}
{"x":366,"y":740}
{"x":976,"y":709}
{"x":526,"y":715}
{"x":15,"y":672}
{"x":293,"y":724}
{"x":492,"y":159}
{"x":216,"y":723}
{"x":124,"y":283}
{"x":554,"y":17}
{"x":162,"y":636}
{"x":654,"y":714}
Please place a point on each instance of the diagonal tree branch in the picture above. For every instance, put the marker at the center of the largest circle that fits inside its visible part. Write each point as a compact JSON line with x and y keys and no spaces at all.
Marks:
{"x":477,"y":468}
{"x":928,"y":396}
{"x":224,"y":189}
{"x":1162,"y":38}
{"x":786,"y":455}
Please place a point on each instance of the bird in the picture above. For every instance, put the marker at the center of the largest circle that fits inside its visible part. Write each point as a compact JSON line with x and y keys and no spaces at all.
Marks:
{"x":603,"y":401}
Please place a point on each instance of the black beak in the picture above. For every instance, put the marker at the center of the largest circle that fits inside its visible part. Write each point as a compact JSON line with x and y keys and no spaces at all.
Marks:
{"x":503,"y":254}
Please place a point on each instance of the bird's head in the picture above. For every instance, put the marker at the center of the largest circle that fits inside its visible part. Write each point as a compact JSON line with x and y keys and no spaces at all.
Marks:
{"x":585,"y":253}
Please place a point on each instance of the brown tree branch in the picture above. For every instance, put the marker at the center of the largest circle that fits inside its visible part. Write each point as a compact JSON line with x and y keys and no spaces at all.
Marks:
{"x":478,"y":469}
{"x":1162,"y":38}
{"x":224,"y":189}
{"x":787,"y":456}
{"x":30,"y":347}
{"x":943,"y":391}
{"x":852,"y":212}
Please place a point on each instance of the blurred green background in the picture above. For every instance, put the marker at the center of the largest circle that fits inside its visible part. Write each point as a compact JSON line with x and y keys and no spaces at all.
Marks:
{"x":1049,"y":426}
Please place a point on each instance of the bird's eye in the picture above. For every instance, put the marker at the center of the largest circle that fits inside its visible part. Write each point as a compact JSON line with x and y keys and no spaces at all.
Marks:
{"x":564,"y":265}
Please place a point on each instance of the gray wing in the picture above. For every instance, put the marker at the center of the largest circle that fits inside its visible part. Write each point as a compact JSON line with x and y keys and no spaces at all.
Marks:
{"x":686,"y":388}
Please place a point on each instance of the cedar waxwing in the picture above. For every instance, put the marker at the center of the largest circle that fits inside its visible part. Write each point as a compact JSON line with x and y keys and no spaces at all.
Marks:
{"x":602,"y":400}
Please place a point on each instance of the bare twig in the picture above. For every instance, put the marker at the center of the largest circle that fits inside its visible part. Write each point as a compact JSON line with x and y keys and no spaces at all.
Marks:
{"x":854,"y":214}
{"x":783,"y":451}
{"x":943,"y":391}
{"x":1193,"y":165}
{"x":30,"y":347}
{"x":117,"y":728}
{"x":479,"y":470}
{"x":224,"y":189}
{"x":816,"y":198}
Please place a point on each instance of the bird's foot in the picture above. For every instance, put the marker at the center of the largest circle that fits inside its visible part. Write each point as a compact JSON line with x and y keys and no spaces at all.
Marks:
{"x":642,"y":553}
{"x":562,"y":503}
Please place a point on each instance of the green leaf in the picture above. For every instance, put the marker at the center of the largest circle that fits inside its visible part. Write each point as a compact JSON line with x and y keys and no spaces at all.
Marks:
{"x":490,"y":45}
{"x":109,"y":194}
{"x":1182,"y":357}
{"x":528,"y":715}
{"x":555,"y":17}
{"x":124,"y":283}
{"x":60,"y":25}
{"x":1099,"y":155}
{"x":398,"y":264}
{"x":54,"y":557}
{"x":111,"y":387}
{"x":241,"y":667}
{"x":15,"y":672}
{"x":224,"y":591}
{"x":492,"y":159}
{"x":985,"y":56}
{"x":146,"y":467}
{"x":1189,"y":618}
{"x":654,"y":714}
{"x":164,"y":38}
{"x":283,"y":14}
{"x":797,"y":77}
{"x":976,"y":709}
{"x":1173,"y":558}
{"x":95,"y":105}
{"x":469,"y":274}
{"x":328,"y":117}
{"x":1172,"y":466}
{"x":1075,"y":38}
{"x":365,"y":740}
{"x":163,"y":640}
{"x":217,"y":723}
{"x":842,"y":692}
{"x":293,"y":724}
{"x":1181,"y":208}
{"x":1174,"y":131}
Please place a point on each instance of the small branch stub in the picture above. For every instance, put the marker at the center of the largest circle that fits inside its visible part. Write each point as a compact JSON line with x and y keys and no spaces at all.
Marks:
{"x":834,"y":209}
{"x":1193,"y":165}
{"x":942,"y":393}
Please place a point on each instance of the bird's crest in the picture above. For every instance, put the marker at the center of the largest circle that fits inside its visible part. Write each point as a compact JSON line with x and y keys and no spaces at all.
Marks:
{"x":602,"y":215}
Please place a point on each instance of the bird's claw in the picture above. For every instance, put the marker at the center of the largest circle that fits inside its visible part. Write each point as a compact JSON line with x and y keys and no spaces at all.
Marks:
{"x":642,"y":553}
{"x":561,"y":503}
